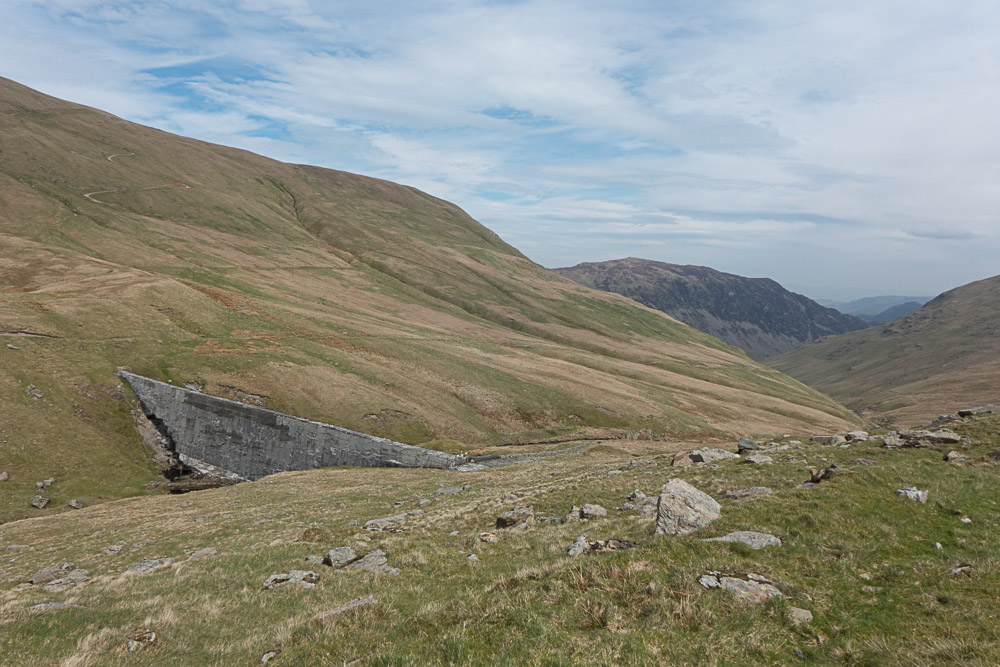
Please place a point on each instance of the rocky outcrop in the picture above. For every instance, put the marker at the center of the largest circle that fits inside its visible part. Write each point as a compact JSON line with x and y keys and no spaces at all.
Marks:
{"x":755,"y":314}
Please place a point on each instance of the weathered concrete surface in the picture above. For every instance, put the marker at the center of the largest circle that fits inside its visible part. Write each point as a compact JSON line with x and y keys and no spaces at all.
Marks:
{"x":253,"y":442}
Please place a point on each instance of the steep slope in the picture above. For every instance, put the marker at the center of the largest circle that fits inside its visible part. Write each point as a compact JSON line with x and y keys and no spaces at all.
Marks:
{"x":893,"y":312}
{"x":939,"y":358}
{"x":755,"y":314}
{"x":332,"y":296}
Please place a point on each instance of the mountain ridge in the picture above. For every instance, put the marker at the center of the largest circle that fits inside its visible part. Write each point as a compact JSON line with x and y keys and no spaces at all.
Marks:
{"x":756,"y":314}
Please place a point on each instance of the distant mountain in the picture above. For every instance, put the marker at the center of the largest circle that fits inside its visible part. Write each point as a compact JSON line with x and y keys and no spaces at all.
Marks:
{"x":875,"y":308}
{"x":941,"y":357}
{"x":893,"y":312}
{"x":755,"y":314}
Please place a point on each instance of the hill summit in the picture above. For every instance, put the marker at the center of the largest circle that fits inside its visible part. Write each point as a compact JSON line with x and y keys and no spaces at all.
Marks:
{"x":755,"y":314}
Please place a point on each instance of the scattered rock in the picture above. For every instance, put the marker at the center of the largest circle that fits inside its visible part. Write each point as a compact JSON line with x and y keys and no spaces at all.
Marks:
{"x":707,"y":455}
{"x":115,"y":548}
{"x":828,"y":439}
{"x":148,"y":565}
{"x":599,"y":546}
{"x":863,"y":462}
{"x":473,"y":557}
{"x":489,"y":538}
{"x":750,"y":538}
{"x":448,"y":491}
{"x":747,"y":445}
{"x":47,"y":574}
{"x":856,"y":436}
{"x":376,"y":561}
{"x":4,"y":476}
{"x":800,"y":616}
{"x":509,"y":497}
{"x":826,"y":473}
{"x":75,"y":504}
{"x":579,"y":546}
{"x":353,"y":604}
{"x":71,"y":579}
{"x":955,"y":458}
{"x":965,"y":519}
{"x":758,"y":459}
{"x":40,"y":501}
{"x":964,"y":568}
{"x":640,"y":463}
{"x":391,"y":523}
{"x":340,"y":556}
{"x":937,"y":545}
{"x":11,"y":346}
{"x":752,"y":492}
{"x":424,"y":502}
{"x":267,"y":657}
{"x":753,"y":588}
{"x":207,"y":552}
{"x":919,"y":438}
{"x":140,"y":638}
{"x":589,"y":511}
{"x":304,"y":578}
{"x":515,"y":517}
{"x":683,"y":509}
{"x":912,"y":493}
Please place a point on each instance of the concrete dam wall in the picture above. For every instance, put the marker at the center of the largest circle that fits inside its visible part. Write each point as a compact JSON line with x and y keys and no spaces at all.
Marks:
{"x":252,"y":442}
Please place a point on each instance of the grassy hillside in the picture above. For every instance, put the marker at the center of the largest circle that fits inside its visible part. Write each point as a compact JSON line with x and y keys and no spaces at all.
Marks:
{"x":332,"y":296}
{"x":935,"y":360}
{"x":860,"y":558}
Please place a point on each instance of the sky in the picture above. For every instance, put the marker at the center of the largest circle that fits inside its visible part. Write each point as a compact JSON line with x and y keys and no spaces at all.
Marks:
{"x":844,"y":148}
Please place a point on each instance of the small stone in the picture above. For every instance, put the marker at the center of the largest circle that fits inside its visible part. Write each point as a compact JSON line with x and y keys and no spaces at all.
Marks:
{"x":750,"y":538}
{"x":473,"y":557}
{"x":960,"y":569}
{"x":912,"y":493}
{"x":857,"y":436}
{"x":376,"y":561}
{"x":4,"y":476}
{"x":515,"y":517}
{"x":148,"y":565}
{"x":579,"y":546}
{"x":710,"y":455}
{"x":47,"y":574}
{"x":749,"y":590}
{"x":871,"y":589}
{"x":683,"y":509}
{"x":589,"y":511}
{"x":863,"y":462}
{"x":353,"y":604}
{"x":40,"y":502}
{"x":955,"y":458}
{"x":965,"y":519}
{"x":800,"y":616}
{"x":829,"y":439}
{"x":746,"y":444}
{"x":340,"y":556}
{"x":758,"y":459}
{"x":937,"y":545}
{"x":488,"y":538}
{"x":424,"y":502}
{"x":12,"y":347}
{"x":709,"y":581}
{"x":75,"y":504}
{"x":448,"y":490}
{"x":140,"y":639}
{"x":509,"y":496}
{"x":391,"y":523}
{"x":314,"y":559}
{"x":303,"y":578}
{"x":453,"y":533}
{"x":266,"y":658}
{"x":115,"y":548}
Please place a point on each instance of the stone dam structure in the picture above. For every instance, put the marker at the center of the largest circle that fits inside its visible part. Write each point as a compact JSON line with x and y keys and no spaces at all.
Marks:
{"x":231,"y":439}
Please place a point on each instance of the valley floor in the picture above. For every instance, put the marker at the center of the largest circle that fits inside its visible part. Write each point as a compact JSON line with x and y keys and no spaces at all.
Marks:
{"x":860,"y":558}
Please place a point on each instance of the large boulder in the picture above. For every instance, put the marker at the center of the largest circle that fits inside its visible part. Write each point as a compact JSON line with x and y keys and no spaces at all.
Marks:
{"x":683,"y":509}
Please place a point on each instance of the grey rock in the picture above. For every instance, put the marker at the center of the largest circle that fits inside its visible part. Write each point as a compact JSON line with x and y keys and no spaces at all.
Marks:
{"x":640,"y":463}
{"x":753,"y":588}
{"x":955,"y":458}
{"x":747,"y":445}
{"x":424,"y":502}
{"x":148,"y":565}
{"x":515,"y":517}
{"x":115,"y":548}
{"x":267,"y":657}
{"x":75,"y":504}
{"x":4,"y":476}
{"x":70,"y":580}
{"x":376,"y":561}
{"x":51,"y":573}
{"x":509,"y":497}
{"x":752,"y":492}
{"x":392,"y":523}
{"x":710,"y":455}
{"x":579,"y":546}
{"x":863,"y":462}
{"x":207,"y":552}
{"x":589,"y":511}
{"x":448,"y":491}
{"x":829,"y":439}
{"x":750,"y":538}
{"x":892,"y":440}
{"x":912,"y":493}
{"x":473,"y":557}
{"x":800,"y":616}
{"x":314,"y":559}
{"x":709,"y":581}
{"x":353,"y":604}
{"x":340,"y":556}
{"x":758,"y":459}
{"x":303,"y":578}
{"x":857,"y":436}
{"x":683,"y":509}
{"x":40,"y":501}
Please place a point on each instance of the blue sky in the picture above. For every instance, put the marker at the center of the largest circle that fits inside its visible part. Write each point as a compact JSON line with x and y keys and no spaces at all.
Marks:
{"x":843,"y":148}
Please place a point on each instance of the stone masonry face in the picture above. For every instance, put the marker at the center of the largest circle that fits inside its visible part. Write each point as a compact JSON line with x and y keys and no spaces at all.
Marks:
{"x":253,"y":442}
